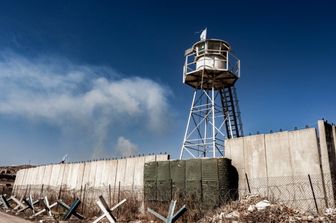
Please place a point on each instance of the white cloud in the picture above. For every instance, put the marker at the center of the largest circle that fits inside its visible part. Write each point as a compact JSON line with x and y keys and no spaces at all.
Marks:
{"x":65,"y":94}
{"x":125,"y":147}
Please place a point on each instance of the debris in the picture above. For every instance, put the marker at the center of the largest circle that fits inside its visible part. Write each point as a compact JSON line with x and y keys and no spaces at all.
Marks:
{"x":251,"y":208}
{"x":233,"y":215}
{"x":261,"y":205}
{"x":254,"y":208}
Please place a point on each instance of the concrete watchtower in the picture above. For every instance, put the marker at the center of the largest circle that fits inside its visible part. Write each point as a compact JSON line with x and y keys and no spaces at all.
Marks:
{"x":211,"y":70}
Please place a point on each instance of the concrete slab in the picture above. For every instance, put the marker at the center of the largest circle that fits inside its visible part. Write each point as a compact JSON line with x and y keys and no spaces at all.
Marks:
{"x":54,"y":175}
{"x":47,"y":174}
{"x":129,"y":173}
{"x":304,"y":147}
{"x":74,"y":173}
{"x":65,"y":176}
{"x":60,"y":175}
{"x":40,"y":174}
{"x":327,"y":148}
{"x":139,"y":172}
{"x":92,"y":167}
{"x":161,"y":157}
{"x":235,"y":151}
{"x":100,"y":170}
{"x":110,"y":172}
{"x":79,"y":178}
{"x":278,"y":155}
{"x":255,"y":163}
{"x":121,"y":173}
{"x":255,"y":156}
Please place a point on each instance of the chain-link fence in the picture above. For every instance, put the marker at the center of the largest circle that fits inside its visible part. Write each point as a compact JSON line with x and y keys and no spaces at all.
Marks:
{"x":306,"y":192}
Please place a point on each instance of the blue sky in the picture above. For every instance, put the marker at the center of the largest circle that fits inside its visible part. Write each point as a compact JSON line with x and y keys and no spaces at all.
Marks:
{"x":104,"y":78}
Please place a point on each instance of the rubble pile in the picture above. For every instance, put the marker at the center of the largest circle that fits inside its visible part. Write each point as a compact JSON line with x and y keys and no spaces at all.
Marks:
{"x":254,"y":208}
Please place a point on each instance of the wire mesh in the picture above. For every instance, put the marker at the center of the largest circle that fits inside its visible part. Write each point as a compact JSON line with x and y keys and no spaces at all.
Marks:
{"x":293,"y":191}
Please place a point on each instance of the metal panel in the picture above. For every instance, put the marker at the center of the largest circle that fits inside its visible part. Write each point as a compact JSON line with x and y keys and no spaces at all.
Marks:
{"x":210,"y":190}
{"x":206,"y":181}
{"x":193,"y":179}
{"x":178,"y":176}
{"x":163,"y":181}
{"x":150,"y":177}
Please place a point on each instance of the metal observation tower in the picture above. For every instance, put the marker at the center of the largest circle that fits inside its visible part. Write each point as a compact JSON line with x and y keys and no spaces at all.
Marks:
{"x":211,"y":70}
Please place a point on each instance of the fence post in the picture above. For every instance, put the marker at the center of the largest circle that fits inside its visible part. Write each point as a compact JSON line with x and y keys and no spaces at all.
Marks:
{"x":80,"y":197}
{"x":26,"y":191}
{"x":110,"y":197}
{"x":84,"y":193}
{"x":201,"y":190}
{"x":248,"y":183}
{"x":118,"y":199}
{"x":119,"y":193}
{"x":60,"y":192}
{"x":80,"y":192}
{"x":171,"y":189}
{"x":311,"y":186}
{"x":42,"y":190}
{"x":114,"y":192}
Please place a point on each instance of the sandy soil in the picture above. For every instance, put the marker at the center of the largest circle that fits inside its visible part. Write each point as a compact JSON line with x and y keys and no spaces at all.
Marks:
{"x":6,"y":218}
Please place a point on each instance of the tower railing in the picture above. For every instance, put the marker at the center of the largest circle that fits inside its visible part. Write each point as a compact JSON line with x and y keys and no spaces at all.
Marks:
{"x":195,"y":62}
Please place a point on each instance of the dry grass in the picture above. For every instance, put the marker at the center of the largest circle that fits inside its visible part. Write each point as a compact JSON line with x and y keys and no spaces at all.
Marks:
{"x":132,"y":209}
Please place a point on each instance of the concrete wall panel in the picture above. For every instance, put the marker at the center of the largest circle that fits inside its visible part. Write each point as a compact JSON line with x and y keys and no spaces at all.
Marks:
{"x":304,"y":147}
{"x":79,"y":177}
{"x":92,"y":168}
{"x":255,"y":162}
{"x":161,"y":157}
{"x":72,"y":178}
{"x":278,"y":155}
{"x":24,"y":177}
{"x":65,"y":176}
{"x":40,"y":174}
{"x":151,"y":158}
{"x":100,"y":170}
{"x":328,"y":159}
{"x":138,"y":173}
{"x":277,"y":162}
{"x":60,"y":175}
{"x":18,"y":178}
{"x":34,"y":176}
{"x":235,"y":152}
{"x":98,"y":175}
{"x":129,"y":173}
{"x":55,"y":175}
{"x":121,"y":172}
{"x":110,"y":172}
{"x":86,"y":174}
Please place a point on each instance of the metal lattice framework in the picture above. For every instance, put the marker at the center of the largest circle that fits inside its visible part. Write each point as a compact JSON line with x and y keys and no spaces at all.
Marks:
{"x":212,"y":70}
{"x":213,"y":117}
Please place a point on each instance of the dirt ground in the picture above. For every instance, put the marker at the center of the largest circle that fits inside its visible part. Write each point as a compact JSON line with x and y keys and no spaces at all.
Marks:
{"x":6,"y":218}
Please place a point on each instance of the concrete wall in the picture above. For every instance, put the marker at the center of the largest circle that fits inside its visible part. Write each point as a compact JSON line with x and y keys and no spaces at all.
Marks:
{"x":327,"y":137}
{"x":277,"y":165}
{"x":95,"y":177}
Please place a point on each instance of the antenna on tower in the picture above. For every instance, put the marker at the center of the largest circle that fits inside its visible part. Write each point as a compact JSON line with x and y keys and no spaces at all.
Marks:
{"x":211,"y":69}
